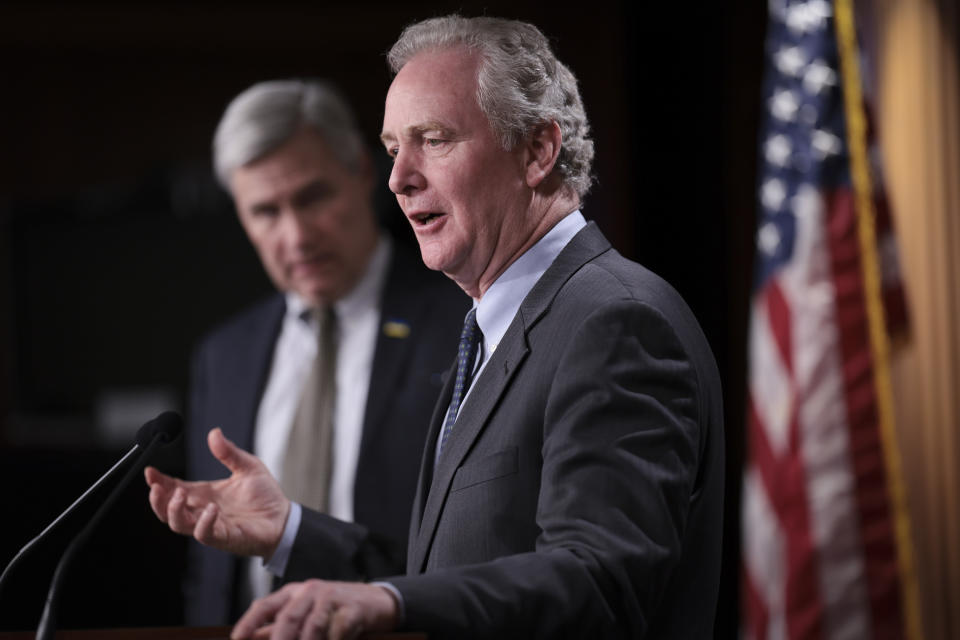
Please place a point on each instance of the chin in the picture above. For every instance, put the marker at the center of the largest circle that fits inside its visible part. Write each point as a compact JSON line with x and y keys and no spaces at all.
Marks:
{"x":439,"y":264}
{"x":435,"y":256}
{"x":315,"y":296}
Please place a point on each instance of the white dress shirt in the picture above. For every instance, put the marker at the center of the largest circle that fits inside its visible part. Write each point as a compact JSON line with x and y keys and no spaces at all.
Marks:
{"x":358,"y":315}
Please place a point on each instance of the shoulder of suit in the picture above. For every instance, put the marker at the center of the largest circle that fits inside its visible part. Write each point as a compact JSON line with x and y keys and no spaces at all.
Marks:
{"x":610,"y":277}
{"x":263,"y":315}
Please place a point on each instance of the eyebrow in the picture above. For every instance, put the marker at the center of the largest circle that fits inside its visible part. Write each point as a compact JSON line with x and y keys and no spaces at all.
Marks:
{"x":416,"y":130}
{"x":316,"y":187}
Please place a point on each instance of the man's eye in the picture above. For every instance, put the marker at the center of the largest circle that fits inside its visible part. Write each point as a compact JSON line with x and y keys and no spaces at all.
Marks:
{"x":434,"y":142}
{"x":315,"y":194}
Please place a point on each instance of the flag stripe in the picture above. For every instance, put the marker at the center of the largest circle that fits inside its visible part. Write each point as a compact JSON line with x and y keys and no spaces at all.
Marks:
{"x":819,"y":559}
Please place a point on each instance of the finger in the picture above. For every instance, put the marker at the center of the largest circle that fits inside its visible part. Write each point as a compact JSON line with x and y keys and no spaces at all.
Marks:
{"x":345,"y":623}
{"x":307,"y":604}
{"x":316,"y":624}
{"x":158,"y":502}
{"x":263,"y":633}
{"x":178,"y":515}
{"x":154,"y":476}
{"x":260,"y":614}
{"x":203,"y":531}
{"x":230,"y":455}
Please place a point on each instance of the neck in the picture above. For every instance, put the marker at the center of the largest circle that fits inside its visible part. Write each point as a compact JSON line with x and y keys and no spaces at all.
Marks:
{"x":553,"y":211}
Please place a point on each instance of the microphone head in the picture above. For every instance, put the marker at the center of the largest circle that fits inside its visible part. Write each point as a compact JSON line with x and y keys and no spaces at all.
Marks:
{"x":167,"y":427}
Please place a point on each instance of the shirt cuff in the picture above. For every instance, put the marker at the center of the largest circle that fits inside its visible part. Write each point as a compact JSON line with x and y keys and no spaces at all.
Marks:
{"x":401,"y":612}
{"x":277,"y":564}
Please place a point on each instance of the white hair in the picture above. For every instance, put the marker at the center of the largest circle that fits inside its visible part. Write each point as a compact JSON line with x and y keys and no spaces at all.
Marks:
{"x":520,"y":84}
{"x":266,"y":115}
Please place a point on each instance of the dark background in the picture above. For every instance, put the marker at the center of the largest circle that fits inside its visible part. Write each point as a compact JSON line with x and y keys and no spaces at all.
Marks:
{"x":117,"y":250}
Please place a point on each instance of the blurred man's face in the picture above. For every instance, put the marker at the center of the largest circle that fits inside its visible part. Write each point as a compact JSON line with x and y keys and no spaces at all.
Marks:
{"x":463,"y":194}
{"x":309,"y":218}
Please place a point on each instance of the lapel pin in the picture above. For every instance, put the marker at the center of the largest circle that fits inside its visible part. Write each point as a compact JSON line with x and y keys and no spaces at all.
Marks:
{"x":396,"y":329}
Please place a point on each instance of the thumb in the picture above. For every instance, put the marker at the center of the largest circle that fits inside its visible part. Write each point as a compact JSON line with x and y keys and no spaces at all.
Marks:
{"x":230,"y":455}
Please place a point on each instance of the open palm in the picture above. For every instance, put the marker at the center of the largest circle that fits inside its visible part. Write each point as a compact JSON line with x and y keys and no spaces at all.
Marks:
{"x":243,"y":514}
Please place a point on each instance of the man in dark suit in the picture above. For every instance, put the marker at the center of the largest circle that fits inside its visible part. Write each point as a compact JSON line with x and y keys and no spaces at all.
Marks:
{"x":572,"y":481}
{"x":291,"y":156}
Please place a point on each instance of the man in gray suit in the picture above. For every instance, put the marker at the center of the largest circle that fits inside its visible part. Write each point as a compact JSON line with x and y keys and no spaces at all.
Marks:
{"x":572,"y":481}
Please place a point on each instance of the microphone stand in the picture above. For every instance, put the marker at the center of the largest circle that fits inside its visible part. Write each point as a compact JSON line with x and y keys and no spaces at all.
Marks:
{"x":73,"y":507}
{"x":48,"y":620}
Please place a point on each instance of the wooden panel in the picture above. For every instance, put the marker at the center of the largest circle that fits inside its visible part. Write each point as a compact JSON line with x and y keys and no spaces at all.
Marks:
{"x":920,"y":134}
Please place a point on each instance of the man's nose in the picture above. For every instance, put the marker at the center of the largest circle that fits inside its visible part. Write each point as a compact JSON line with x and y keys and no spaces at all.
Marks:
{"x":406,"y":177}
{"x":296,"y":227}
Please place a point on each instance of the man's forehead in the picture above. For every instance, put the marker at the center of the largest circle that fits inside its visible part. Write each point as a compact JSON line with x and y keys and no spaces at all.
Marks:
{"x":427,"y":90}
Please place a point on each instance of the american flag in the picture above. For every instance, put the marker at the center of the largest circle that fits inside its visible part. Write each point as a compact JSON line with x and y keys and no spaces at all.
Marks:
{"x":821,"y":526}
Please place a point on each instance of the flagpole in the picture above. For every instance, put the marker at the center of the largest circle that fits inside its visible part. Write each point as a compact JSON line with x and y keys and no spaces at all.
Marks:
{"x":866,"y":226}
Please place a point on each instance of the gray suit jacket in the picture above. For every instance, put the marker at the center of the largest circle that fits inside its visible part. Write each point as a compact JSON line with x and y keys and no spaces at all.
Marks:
{"x":580,"y":492}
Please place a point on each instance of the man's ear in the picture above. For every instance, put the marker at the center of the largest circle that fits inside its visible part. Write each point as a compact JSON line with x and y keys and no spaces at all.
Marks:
{"x":543,"y":148}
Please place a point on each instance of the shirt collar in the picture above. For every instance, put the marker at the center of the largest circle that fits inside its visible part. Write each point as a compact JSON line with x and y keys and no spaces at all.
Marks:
{"x":498,"y":306}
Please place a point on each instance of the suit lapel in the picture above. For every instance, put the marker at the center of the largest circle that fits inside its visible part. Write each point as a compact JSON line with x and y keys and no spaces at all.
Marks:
{"x":426,"y":464}
{"x":400,"y":310}
{"x":487,"y":390}
{"x":247,"y":375}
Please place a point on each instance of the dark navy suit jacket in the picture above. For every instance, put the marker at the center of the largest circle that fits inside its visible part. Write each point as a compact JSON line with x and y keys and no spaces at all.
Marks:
{"x":229,"y":373}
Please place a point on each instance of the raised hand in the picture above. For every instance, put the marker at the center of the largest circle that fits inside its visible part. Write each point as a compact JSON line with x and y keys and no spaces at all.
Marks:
{"x":244,"y":514}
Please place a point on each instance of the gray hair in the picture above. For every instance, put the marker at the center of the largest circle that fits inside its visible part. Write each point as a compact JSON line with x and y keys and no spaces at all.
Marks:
{"x":520,"y":84}
{"x":266,"y":115}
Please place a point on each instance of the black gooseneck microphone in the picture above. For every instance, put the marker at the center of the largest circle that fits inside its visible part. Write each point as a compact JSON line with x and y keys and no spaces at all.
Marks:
{"x":160,"y":431}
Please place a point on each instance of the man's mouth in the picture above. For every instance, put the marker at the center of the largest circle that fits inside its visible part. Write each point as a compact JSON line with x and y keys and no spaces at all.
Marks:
{"x":311,"y":263}
{"x":424,"y":218}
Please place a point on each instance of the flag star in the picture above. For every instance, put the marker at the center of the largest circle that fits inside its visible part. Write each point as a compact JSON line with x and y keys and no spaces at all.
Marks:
{"x":823,"y":9}
{"x":817,"y":76}
{"x":772,"y":194}
{"x":784,"y":105}
{"x":807,"y":16}
{"x":790,"y":61}
{"x":808,"y":115}
{"x":825,"y":143}
{"x":777,"y":150}
{"x":806,"y":203}
{"x":768,"y":238}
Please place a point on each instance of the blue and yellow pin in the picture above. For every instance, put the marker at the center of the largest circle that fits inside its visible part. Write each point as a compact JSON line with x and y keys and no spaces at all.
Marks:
{"x":396,"y":329}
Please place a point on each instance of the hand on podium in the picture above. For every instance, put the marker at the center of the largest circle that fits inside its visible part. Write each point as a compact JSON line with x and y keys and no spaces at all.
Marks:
{"x":319,"y":609}
{"x":243,"y":514}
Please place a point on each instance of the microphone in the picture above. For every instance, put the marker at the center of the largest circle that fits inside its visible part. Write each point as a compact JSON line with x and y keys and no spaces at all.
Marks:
{"x":168,"y":426}
{"x":160,"y":431}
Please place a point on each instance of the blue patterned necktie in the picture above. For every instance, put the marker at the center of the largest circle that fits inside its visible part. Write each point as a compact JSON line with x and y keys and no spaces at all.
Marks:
{"x":470,"y":339}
